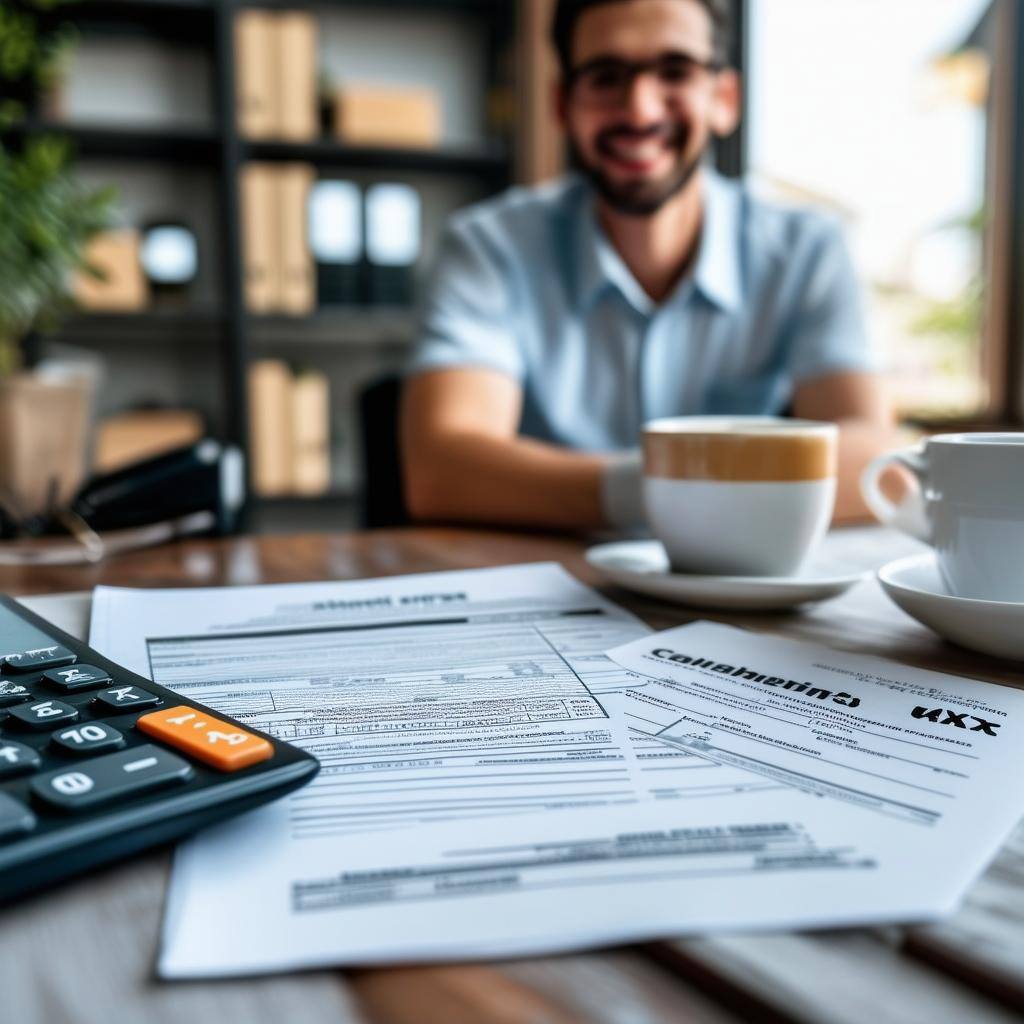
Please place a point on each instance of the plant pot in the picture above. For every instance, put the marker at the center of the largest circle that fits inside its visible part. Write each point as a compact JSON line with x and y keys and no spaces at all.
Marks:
{"x":44,"y":433}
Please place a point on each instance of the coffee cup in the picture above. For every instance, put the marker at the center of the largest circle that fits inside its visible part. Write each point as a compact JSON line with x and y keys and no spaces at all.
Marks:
{"x":739,"y":495}
{"x":968,"y":504}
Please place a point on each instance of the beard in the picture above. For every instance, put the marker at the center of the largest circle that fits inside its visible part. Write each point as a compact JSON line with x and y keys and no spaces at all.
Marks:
{"x":640,"y":198}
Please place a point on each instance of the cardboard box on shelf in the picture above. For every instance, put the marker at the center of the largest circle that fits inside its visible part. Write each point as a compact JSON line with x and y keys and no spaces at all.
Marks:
{"x":123,"y":286}
{"x":133,"y":436}
{"x":366,"y":115}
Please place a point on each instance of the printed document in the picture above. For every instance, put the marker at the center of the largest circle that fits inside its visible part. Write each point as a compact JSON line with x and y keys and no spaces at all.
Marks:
{"x":423,"y":697}
{"x":930,"y":753}
{"x":479,"y":794}
{"x":246,"y":899}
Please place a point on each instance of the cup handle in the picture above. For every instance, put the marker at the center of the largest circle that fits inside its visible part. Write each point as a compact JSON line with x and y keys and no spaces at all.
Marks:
{"x":909,"y":516}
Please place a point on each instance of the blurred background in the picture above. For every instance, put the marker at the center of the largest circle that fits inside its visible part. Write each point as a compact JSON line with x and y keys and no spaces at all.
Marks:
{"x":280,"y":174}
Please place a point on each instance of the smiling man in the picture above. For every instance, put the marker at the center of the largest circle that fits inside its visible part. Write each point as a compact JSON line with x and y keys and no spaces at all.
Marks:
{"x":561,"y":318}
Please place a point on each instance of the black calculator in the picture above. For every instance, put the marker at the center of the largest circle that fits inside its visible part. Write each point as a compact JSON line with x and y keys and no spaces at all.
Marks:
{"x":98,"y":763}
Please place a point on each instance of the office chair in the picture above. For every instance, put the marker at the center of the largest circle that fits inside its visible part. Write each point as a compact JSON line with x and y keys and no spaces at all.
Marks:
{"x":383,"y":498}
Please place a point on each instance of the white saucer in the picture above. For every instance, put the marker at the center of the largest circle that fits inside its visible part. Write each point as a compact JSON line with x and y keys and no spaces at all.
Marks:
{"x":992,"y":627}
{"x":642,"y":565}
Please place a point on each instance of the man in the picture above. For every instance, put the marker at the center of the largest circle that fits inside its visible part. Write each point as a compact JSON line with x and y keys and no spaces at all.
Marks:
{"x":562,"y":318}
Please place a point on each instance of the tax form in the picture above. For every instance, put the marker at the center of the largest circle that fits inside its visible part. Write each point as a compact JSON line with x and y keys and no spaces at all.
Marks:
{"x":537,"y":883}
{"x":423,"y":697}
{"x":478,"y":796}
{"x":933,"y":754}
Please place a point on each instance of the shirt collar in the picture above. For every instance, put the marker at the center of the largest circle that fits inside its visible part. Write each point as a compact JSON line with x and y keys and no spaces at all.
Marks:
{"x":717,"y":273}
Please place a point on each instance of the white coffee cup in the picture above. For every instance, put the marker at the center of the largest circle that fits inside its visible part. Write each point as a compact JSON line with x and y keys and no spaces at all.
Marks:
{"x":969,"y":506}
{"x":739,"y":495}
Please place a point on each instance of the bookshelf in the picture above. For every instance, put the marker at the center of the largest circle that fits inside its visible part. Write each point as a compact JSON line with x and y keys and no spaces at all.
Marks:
{"x":222,"y":336}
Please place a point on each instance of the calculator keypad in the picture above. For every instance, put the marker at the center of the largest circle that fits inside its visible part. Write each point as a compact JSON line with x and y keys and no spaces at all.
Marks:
{"x":15,"y":818}
{"x":124,"y":698}
{"x":39,"y":659}
{"x":113,"y":777}
{"x":89,"y":738}
{"x":73,"y":678}
{"x":43,"y":715}
{"x":17,"y":758}
{"x":13,"y":692}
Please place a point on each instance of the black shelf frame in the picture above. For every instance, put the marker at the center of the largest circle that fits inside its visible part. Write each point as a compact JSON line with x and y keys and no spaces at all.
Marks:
{"x":208,"y":25}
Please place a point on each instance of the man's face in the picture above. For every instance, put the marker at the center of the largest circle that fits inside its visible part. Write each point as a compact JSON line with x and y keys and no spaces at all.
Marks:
{"x":641,"y":103}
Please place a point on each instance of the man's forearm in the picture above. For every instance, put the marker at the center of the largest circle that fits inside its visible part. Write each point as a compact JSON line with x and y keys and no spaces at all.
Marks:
{"x":473,"y":478}
{"x":859,"y":442}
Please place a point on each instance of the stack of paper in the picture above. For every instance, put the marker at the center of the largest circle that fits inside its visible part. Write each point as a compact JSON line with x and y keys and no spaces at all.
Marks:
{"x":494,"y":783}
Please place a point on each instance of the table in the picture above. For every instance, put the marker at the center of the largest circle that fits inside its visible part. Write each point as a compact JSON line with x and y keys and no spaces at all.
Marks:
{"x":84,"y":952}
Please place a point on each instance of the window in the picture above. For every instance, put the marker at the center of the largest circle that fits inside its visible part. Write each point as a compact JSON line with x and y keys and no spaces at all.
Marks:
{"x":878,"y":111}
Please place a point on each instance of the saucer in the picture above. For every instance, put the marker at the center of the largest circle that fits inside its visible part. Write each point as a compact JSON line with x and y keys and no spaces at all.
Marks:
{"x":992,"y":627}
{"x":642,"y":565}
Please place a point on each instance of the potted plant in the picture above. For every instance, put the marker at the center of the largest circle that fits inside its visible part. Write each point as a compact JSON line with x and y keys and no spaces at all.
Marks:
{"x":48,"y":218}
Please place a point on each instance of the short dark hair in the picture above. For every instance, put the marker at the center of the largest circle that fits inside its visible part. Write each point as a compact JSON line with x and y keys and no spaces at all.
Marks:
{"x":568,"y":12}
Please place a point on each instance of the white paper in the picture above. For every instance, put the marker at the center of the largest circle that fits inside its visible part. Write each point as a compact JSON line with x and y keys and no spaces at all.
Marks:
{"x":537,"y":883}
{"x":424,"y":697}
{"x":476,"y":797}
{"x":926,"y":753}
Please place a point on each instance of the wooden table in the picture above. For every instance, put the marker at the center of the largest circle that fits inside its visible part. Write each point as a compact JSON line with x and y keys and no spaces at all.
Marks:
{"x":84,"y":952}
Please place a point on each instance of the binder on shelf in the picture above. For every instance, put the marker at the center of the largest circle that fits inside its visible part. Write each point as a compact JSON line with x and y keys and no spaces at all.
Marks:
{"x":261,"y":241}
{"x":296,"y":74}
{"x":256,"y":88}
{"x":122,"y":289}
{"x":311,"y":468}
{"x":367,"y":115}
{"x":393,"y":242}
{"x":270,"y":427}
{"x":297,"y":283}
{"x":335,"y":216}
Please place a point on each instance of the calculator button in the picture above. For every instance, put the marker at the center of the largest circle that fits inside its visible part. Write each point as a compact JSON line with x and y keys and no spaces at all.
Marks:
{"x":76,"y":677}
{"x":12,"y":692}
{"x":112,"y":777}
{"x":39,"y":659}
{"x":43,"y":714}
{"x":16,"y":758}
{"x":15,"y":818}
{"x":90,"y":738}
{"x":126,"y":698}
{"x":209,"y":739}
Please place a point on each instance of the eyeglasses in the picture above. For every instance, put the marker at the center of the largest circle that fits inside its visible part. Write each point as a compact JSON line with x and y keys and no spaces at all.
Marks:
{"x":607,"y":81}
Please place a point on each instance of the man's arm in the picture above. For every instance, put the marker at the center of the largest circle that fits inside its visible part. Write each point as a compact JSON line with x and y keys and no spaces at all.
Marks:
{"x":463,"y":461}
{"x":858,"y":403}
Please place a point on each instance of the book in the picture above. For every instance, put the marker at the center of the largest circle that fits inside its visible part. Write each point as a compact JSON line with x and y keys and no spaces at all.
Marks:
{"x":270,"y":427}
{"x":256,"y":87}
{"x":295,"y":56}
{"x":261,"y":236}
{"x":311,"y":462}
{"x":296,"y":272}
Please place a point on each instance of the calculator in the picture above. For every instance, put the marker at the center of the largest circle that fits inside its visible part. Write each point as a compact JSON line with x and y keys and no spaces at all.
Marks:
{"x":98,"y":763}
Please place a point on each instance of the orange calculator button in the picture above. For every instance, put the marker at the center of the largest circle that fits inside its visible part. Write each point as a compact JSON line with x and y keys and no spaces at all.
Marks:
{"x":206,"y":738}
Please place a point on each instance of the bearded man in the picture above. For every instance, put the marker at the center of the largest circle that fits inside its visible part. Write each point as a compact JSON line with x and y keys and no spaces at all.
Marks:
{"x":561,"y":318}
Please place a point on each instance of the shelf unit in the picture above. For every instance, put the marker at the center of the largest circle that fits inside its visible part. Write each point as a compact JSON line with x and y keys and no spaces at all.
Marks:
{"x":218,"y":149}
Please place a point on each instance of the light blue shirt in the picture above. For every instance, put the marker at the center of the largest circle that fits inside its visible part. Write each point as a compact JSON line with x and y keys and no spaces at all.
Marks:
{"x":527,"y":284}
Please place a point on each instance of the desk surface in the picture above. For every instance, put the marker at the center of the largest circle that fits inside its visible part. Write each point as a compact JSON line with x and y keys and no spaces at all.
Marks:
{"x":85,"y":951}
